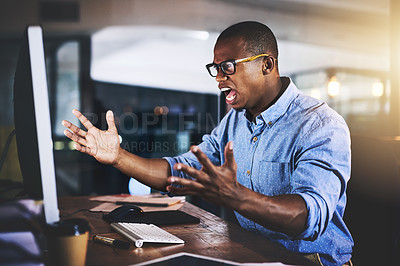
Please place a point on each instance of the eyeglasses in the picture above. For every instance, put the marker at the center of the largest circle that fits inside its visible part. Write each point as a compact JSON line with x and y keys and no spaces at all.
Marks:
{"x":228,"y":67}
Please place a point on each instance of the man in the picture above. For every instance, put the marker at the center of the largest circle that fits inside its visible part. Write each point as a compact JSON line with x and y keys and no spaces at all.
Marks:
{"x":279,"y":159}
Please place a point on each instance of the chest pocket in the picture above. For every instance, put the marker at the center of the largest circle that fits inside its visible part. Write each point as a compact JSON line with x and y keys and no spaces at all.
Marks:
{"x":273,"y":178}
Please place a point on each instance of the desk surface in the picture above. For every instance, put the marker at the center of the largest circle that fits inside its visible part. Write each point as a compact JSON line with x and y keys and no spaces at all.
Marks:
{"x":212,"y":237}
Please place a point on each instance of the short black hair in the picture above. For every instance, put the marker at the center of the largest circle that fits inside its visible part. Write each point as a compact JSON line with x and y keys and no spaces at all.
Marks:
{"x":258,"y":37}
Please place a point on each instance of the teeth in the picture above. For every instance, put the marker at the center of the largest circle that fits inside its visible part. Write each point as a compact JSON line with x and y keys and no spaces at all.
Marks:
{"x":231,"y":98}
{"x":225,"y":89}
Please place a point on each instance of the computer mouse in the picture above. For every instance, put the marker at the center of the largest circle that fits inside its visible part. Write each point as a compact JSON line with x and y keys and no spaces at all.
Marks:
{"x":124,"y":213}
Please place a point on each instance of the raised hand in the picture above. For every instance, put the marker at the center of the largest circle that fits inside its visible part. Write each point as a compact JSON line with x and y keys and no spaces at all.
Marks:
{"x":102,"y":145}
{"x":216,"y":184}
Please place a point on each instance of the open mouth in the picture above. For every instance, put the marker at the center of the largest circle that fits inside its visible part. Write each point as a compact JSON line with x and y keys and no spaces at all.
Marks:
{"x":230,"y":95}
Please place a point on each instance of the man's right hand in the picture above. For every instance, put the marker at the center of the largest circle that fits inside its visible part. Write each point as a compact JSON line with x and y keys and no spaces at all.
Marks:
{"x":104,"y":146}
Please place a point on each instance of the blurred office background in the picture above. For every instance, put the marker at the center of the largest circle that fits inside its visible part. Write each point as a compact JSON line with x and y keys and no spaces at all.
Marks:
{"x":144,"y":59}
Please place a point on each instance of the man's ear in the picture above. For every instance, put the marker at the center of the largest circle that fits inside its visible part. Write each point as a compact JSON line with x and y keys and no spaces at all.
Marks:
{"x":269,"y":65}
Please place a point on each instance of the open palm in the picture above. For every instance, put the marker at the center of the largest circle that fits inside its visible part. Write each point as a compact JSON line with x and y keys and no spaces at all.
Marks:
{"x":103,"y":145}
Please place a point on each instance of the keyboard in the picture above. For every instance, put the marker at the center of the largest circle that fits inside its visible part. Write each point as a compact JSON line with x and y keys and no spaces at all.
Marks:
{"x":139,"y":233}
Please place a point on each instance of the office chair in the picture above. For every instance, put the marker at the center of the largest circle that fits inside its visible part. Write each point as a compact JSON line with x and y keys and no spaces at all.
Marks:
{"x":372,"y":212}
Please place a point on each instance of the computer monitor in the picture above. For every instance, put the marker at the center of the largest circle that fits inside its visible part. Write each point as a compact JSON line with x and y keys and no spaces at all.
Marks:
{"x":32,"y":123}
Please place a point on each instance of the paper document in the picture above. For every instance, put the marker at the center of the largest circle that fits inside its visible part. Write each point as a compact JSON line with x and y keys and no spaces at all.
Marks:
{"x":153,"y":200}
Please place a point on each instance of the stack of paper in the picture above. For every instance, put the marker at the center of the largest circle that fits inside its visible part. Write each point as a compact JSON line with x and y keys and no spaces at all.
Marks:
{"x":151,"y":202}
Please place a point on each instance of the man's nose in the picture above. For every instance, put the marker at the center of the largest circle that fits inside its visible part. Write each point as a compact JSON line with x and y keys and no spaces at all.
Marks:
{"x":221,"y":76}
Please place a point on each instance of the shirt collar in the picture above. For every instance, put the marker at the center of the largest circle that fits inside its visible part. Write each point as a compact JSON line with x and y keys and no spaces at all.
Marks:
{"x":275,"y":111}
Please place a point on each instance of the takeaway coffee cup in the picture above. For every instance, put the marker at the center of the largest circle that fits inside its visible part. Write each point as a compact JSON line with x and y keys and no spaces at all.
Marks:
{"x":67,"y":242}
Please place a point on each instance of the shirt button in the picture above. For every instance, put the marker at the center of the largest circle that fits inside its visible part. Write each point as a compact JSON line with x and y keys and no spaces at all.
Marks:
{"x":269,"y":123}
{"x":248,"y":172}
{"x":255,"y":139}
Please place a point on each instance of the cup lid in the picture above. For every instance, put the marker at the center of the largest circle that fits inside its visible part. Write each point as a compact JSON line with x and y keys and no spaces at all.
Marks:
{"x":69,"y":227}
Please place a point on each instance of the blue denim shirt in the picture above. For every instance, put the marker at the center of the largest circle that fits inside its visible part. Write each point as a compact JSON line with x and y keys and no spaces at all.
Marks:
{"x":297,"y":146}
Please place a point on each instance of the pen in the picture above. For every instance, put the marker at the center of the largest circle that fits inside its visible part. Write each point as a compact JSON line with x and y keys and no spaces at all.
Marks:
{"x":112,"y":242}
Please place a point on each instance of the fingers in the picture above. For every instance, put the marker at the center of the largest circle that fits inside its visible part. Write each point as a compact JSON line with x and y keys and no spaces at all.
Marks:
{"x":208,"y":166}
{"x":194,"y":173}
{"x":189,"y":187}
{"x":229,"y":158}
{"x":76,"y":134}
{"x":85,"y":122}
{"x":76,"y":130}
{"x":74,"y":137}
{"x":110,"y":121}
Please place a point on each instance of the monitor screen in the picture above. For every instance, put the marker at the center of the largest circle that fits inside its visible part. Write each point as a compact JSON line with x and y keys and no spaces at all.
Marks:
{"x":32,"y":123}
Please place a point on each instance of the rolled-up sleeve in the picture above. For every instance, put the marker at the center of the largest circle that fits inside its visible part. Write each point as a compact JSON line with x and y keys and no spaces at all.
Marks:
{"x":322,"y":169}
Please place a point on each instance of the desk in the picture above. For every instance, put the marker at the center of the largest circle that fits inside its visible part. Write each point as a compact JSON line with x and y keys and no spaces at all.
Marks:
{"x":212,"y":237}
